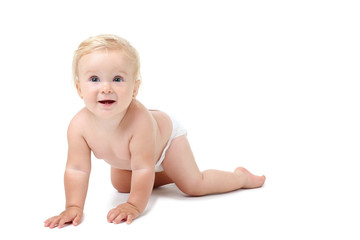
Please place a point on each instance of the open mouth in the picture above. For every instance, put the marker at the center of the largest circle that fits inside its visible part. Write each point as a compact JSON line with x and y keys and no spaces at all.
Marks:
{"x":107,"y":102}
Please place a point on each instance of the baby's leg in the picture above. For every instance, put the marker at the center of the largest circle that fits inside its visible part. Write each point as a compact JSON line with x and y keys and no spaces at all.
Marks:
{"x":121,"y":180}
{"x":161,"y":178}
{"x":179,"y":164}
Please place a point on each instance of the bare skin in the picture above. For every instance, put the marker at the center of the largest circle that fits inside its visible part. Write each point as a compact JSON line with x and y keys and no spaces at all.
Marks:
{"x":240,"y":178}
{"x":119,"y":129}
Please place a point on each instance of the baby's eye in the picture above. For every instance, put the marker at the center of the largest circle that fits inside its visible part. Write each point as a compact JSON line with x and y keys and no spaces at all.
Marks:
{"x":118,"y":79}
{"x":94,"y":79}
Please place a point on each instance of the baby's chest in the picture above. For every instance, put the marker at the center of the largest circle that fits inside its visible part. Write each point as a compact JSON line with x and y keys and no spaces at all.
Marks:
{"x":117,"y":154}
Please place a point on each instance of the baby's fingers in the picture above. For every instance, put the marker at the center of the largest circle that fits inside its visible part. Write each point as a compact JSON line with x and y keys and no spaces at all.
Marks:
{"x":119,"y":218}
{"x":112,"y":215}
{"x":115,"y":215}
{"x":77,"y":220}
{"x":46,"y":222}
{"x":69,"y":218}
{"x":130,"y":218}
{"x":62,"y":221}
{"x":52,"y":222}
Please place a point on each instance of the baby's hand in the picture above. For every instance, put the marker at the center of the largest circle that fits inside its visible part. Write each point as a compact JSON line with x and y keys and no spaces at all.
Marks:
{"x":71,"y":214}
{"x":124,"y":212}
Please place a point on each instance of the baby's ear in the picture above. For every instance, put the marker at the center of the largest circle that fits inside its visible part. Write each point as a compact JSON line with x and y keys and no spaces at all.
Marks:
{"x":79,"y":90}
{"x":136,"y":88}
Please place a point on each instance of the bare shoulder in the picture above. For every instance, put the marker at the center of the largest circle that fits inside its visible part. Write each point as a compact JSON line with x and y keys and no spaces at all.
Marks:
{"x":150,"y":122}
{"x":78,"y":123}
{"x":139,"y":117}
{"x":143,"y":136}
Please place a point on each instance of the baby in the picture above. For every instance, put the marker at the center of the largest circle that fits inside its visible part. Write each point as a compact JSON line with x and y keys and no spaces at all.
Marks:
{"x":145,"y":148}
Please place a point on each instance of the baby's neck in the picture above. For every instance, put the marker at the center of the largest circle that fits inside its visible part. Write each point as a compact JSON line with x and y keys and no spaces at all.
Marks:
{"x":108,"y":124}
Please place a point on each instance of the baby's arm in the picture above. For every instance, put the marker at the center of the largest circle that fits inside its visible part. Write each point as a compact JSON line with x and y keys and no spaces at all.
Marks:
{"x":76,"y":178}
{"x":142,"y":148}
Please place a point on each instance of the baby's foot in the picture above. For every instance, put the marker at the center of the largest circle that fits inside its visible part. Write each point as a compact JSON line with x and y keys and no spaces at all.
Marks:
{"x":251,"y":180}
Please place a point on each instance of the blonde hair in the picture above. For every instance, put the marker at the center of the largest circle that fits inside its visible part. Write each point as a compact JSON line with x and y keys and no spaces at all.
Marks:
{"x":108,"y":42}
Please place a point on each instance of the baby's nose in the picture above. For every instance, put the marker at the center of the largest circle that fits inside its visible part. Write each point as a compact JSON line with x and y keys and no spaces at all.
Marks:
{"x":106,"y":89}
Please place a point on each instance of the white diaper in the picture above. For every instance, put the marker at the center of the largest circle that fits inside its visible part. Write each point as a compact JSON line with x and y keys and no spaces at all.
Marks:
{"x":177,"y":131}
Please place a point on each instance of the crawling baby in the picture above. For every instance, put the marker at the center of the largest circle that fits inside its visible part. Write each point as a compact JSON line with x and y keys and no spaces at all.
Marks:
{"x":145,"y":148}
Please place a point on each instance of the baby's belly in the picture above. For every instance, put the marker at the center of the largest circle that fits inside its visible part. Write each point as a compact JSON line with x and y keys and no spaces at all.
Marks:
{"x":120,"y":159}
{"x":124,"y":164}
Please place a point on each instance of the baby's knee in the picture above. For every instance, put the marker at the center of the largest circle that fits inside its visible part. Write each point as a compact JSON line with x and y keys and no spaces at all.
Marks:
{"x":194,"y":192}
{"x":120,"y":187}
{"x":193,"y":188}
{"x":121,"y":180}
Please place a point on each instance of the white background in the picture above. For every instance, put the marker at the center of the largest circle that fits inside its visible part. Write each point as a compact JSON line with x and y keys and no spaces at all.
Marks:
{"x":269,"y":85}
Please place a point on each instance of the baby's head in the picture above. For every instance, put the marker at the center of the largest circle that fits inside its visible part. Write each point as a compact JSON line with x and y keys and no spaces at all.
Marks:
{"x":106,"y":42}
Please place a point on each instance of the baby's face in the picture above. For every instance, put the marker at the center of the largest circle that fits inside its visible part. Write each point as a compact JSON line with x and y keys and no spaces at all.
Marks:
{"x":106,"y":82}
